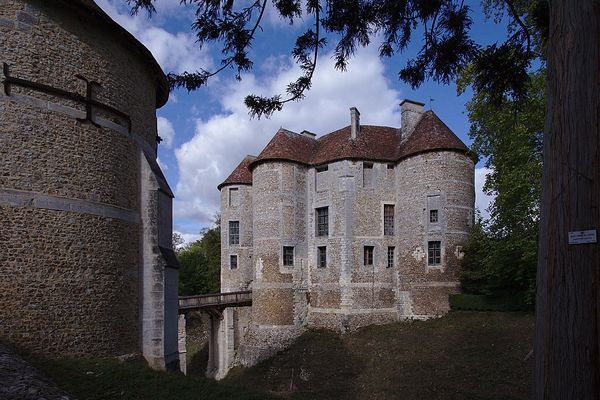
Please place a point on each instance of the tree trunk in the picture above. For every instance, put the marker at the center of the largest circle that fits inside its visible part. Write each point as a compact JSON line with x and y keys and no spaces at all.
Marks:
{"x":567,"y":335}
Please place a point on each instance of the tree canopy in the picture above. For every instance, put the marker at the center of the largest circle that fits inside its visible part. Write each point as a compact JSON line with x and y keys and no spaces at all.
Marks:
{"x":442,"y":26}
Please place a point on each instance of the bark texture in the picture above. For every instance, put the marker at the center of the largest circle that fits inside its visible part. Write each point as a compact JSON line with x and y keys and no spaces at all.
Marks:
{"x":567,"y":342}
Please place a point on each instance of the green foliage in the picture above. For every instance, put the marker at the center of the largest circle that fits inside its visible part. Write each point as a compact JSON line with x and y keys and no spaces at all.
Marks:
{"x":200,"y":264}
{"x":478,"y":302}
{"x":502,"y":253}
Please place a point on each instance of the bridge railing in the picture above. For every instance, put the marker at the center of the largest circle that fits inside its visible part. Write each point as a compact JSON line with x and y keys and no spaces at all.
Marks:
{"x":215,"y":300}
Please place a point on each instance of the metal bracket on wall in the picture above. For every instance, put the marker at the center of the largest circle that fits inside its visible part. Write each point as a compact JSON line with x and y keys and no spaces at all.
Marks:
{"x":88,"y":100}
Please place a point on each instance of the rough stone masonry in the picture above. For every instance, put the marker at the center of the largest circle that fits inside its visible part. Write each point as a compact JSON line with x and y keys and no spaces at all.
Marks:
{"x":86,"y":265}
{"x":363,"y":225}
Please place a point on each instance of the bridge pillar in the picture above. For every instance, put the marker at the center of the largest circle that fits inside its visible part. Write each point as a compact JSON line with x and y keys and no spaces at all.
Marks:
{"x":221,"y":350}
{"x":181,"y":344}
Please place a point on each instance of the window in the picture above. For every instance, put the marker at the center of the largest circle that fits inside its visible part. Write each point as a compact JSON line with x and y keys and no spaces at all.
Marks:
{"x":233,"y":261}
{"x":434,"y":254}
{"x":368,"y":255}
{"x":433,"y":216}
{"x":322,"y":217}
{"x":233,"y":197}
{"x":321,"y":257}
{"x":388,"y":219}
{"x":390,"y":257}
{"x":367,"y":174}
{"x":234,"y":232}
{"x":321,"y":178}
{"x":390,"y":166}
{"x":288,"y":255}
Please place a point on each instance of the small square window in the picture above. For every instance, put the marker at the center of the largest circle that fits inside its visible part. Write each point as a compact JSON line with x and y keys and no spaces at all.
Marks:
{"x":288,"y":256}
{"x":233,"y":261}
{"x":321,"y":257}
{"x":390,"y":166}
{"x":234,"y":232}
{"x":368,"y":255}
{"x":433,"y":216}
{"x":390,"y":257}
{"x":322,"y":217}
{"x":434,"y":253}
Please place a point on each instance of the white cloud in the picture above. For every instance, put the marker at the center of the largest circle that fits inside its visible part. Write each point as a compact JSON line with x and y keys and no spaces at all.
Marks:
{"x":222,"y":141}
{"x":165,"y":131}
{"x":176,"y":52}
{"x":482,"y":200}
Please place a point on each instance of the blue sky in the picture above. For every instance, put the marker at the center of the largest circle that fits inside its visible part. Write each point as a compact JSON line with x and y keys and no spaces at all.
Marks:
{"x":206,"y":133}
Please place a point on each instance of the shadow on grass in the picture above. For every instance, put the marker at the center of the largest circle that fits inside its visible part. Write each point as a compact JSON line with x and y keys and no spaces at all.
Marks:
{"x":317,"y":366}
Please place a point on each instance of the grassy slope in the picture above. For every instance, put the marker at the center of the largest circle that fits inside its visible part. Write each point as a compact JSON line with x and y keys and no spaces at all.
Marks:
{"x":465,"y":355}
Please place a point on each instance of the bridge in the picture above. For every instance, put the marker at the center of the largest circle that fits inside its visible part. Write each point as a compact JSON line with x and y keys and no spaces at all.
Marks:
{"x":221,"y":340}
{"x":215,"y":303}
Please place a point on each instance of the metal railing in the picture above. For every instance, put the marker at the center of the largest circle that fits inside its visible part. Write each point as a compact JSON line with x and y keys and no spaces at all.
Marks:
{"x":216,"y":300}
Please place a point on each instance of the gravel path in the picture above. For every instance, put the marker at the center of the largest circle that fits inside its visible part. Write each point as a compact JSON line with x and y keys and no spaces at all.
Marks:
{"x":21,"y":381}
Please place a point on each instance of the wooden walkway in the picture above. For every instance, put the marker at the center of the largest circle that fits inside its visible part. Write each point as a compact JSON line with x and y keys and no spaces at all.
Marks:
{"x":213,"y":301}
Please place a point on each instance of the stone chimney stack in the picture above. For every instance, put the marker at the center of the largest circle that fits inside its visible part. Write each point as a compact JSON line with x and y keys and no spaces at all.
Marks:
{"x":354,"y":122}
{"x":411,"y":112}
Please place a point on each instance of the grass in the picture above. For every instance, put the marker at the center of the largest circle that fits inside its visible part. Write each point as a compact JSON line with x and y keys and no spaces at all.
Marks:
{"x":464,"y":355}
{"x":104,"y":379}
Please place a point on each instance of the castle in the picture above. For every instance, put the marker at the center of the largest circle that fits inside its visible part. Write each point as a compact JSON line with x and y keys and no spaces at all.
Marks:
{"x":86,"y":260}
{"x":359,"y":226}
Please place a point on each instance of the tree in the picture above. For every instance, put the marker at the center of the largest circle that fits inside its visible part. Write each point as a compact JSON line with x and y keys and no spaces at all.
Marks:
{"x":567,"y":344}
{"x":509,"y":136}
{"x":200,"y":263}
{"x":178,"y":241}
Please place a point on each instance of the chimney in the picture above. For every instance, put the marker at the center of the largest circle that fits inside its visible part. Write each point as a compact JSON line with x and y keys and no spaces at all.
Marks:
{"x":411,"y":112}
{"x":308,"y":134}
{"x":354,"y":122}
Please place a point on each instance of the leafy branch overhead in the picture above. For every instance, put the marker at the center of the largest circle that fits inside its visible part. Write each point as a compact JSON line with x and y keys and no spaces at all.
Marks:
{"x":441,"y":26}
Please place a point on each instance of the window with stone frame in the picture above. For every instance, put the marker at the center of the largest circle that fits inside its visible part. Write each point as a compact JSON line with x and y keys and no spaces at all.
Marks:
{"x":234,"y":197}
{"x":388,"y":219}
{"x":321,"y":178}
{"x":434,"y":253}
{"x":321,"y":257}
{"x":322,"y":221}
{"x":234,"y":232}
{"x":433,"y":216}
{"x":233,"y":261}
{"x":368,"y":255}
{"x":288,"y":256}
{"x":367,"y":174}
{"x":390,"y":256}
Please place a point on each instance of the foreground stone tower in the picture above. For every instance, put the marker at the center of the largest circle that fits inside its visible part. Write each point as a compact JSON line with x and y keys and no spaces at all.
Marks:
{"x":86,"y":265}
{"x":363,"y":225}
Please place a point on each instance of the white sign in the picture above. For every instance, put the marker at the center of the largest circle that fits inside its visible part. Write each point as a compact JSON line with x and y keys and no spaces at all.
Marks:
{"x":581,"y":237}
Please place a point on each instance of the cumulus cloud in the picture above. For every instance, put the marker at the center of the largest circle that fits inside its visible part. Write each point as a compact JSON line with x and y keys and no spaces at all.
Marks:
{"x":165,"y":131}
{"x":221,"y":142}
{"x":177,"y":51}
{"x":482,"y":200}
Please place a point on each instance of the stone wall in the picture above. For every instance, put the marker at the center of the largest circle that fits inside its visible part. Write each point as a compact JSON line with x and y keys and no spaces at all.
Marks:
{"x":348,"y":292}
{"x":73,"y":228}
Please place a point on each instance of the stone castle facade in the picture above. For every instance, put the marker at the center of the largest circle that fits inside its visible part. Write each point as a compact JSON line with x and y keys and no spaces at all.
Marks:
{"x":86,"y":265}
{"x":363,"y":225}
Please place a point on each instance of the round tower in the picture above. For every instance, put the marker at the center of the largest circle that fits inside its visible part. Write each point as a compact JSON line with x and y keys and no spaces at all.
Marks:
{"x":436,"y":200}
{"x":85,"y":213}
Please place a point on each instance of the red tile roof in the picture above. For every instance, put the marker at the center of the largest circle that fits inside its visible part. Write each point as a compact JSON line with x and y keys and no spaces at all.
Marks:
{"x":241,"y":175}
{"x":373,"y":143}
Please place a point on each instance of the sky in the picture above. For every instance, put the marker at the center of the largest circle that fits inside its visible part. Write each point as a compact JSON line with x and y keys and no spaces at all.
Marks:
{"x":206,"y":133}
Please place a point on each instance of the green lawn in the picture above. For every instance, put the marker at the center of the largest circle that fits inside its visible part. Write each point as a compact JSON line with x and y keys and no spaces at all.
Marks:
{"x":464,"y":355}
